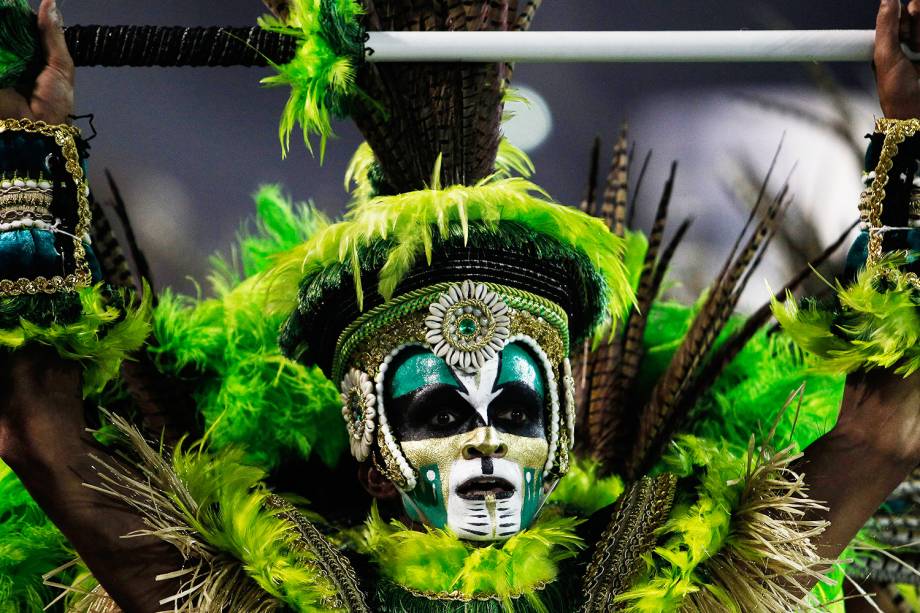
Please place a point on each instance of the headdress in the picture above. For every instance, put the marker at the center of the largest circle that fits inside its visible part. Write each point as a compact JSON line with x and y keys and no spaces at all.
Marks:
{"x":442,"y":248}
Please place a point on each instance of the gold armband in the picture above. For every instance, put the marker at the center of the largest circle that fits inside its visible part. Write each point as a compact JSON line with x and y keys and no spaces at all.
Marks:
{"x":872,"y":200}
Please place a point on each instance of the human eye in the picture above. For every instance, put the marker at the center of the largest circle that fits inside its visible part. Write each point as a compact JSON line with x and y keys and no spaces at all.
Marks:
{"x":512,"y":415}
{"x":443,"y":418}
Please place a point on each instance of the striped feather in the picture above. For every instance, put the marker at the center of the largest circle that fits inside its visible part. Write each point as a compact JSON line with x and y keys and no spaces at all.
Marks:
{"x":669,"y":403}
{"x":112,"y":260}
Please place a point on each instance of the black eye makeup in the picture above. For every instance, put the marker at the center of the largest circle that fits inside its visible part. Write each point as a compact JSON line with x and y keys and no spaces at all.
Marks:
{"x":518,"y":410}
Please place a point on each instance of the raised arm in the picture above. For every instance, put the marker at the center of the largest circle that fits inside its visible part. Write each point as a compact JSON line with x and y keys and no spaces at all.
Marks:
{"x":876,"y":441}
{"x":42,"y":427}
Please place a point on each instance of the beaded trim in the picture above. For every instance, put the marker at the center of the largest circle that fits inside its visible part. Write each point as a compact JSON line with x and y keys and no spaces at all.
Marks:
{"x":414,"y":306}
{"x":16,"y":192}
{"x":458,"y":596}
{"x":554,"y":412}
{"x":398,"y":469}
{"x":65,"y":137}
{"x":872,"y":200}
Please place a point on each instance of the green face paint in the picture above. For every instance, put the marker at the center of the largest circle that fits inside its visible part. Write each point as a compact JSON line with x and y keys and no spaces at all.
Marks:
{"x":519,"y":365}
{"x":481,"y":481}
{"x":420,"y":370}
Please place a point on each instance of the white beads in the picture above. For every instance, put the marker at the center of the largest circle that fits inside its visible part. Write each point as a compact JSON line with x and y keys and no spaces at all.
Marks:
{"x":407,"y":472}
{"x":553,"y":396}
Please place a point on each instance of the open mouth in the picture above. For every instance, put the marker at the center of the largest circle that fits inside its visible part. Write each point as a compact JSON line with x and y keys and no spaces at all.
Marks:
{"x":479,"y":488}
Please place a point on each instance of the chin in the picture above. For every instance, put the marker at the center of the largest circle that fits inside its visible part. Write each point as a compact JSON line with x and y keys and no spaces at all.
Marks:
{"x":485,"y":507}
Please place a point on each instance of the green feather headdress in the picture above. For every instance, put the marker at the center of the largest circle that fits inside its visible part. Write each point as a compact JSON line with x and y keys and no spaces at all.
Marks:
{"x":386,"y":238}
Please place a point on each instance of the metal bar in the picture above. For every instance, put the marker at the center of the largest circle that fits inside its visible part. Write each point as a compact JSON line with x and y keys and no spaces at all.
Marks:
{"x":667,"y":46}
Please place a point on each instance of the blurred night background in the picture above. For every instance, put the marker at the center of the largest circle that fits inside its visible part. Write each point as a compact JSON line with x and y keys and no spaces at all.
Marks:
{"x":188,"y":147}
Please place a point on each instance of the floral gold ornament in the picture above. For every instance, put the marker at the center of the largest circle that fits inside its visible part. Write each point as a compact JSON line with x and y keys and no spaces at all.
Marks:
{"x":468,"y":325}
{"x":358,"y":409}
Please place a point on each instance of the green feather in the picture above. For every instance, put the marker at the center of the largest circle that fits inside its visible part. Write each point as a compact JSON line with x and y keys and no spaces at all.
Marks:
{"x":583,"y":490}
{"x":322,"y":74}
{"x":230,"y":514}
{"x":19,"y":49}
{"x":876,"y":322}
{"x":438,"y":562}
{"x":30,"y":547}
{"x":409,"y":222}
{"x":109,"y":329}
{"x":249,"y":394}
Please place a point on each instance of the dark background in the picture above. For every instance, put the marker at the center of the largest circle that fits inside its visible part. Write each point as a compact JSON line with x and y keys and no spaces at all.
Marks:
{"x":189,"y":146}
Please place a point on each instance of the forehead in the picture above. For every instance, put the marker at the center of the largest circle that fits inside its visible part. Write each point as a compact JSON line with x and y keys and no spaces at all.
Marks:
{"x":417,"y":367}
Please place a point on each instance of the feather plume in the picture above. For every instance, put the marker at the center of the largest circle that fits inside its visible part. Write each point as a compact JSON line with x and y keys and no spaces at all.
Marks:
{"x":613,"y":206}
{"x":437,"y":562}
{"x":112,"y":260}
{"x":877,"y":323}
{"x":322,"y":74}
{"x":669,"y":402}
{"x":20,"y":57}
{"x":409,"y":221}
{"x":30,"y":546}
{"x":245,"y":549}
{"x":720,"y":551}
{"x":141,"y":264}
{"x":727,"y":352}
{"x":250,"y":395}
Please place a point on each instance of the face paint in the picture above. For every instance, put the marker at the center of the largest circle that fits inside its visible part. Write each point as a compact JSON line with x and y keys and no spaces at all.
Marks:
{"x":477,"y":441}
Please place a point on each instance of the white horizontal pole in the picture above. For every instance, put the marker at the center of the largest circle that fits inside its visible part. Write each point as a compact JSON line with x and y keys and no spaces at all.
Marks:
{"x":686,"y":46}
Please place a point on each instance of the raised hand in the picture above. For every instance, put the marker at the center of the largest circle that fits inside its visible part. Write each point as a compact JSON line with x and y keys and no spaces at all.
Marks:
{"x":51,"y":99}
{"x":897,"y":77}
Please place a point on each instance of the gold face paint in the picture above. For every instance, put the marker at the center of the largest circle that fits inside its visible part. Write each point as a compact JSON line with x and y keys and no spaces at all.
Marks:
{"x":525,"y":451}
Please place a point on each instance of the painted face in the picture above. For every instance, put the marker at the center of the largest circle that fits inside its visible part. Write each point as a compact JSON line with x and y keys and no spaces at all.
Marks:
{"x":478,"y":440}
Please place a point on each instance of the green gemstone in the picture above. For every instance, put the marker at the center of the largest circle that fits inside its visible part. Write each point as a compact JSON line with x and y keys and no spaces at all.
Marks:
{"x":467,"y":326}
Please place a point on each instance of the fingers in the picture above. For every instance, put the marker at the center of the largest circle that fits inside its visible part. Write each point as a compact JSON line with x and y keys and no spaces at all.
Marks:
{"x":887,"y":34}
{"x":51,"y":26}
{"x":911,"y":17}
{"x":280,"y":8}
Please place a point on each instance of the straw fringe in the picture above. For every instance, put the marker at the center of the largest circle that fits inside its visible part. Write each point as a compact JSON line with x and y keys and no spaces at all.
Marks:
{"x":243,"y":550}
{"x":769,"y":553}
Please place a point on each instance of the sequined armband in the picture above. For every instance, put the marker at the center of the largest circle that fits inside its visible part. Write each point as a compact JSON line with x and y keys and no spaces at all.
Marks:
{"x":44,"y":210}
{"x":890,"y":205}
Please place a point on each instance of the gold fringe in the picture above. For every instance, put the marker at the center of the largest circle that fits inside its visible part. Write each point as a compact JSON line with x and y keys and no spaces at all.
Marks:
{"x":769,"y":555}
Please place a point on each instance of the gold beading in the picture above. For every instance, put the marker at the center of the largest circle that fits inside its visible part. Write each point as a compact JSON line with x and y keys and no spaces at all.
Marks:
{"x":871,"y":203}
{"x":65,"y":136}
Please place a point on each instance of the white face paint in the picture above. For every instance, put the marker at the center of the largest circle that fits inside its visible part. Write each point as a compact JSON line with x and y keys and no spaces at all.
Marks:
{"x":479,"y":387}
{"x":490,"y":517}
{"x":484,"y":483}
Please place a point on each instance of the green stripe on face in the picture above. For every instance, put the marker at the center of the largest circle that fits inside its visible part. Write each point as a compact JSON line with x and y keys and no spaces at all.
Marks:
{"x":519,"y":365}
{"x":420,"y":370}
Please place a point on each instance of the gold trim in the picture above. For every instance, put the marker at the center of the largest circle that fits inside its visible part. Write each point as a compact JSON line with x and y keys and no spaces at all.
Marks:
{"x":65,"y":137}
{"x":872,"y":200}
{"x":457,"y":596}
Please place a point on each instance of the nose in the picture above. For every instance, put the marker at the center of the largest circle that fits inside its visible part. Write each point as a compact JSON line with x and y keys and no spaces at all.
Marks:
{"x":485,"y":443}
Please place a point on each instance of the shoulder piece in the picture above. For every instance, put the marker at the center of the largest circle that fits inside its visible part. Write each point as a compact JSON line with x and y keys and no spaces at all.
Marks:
{"x":640,"y":512}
